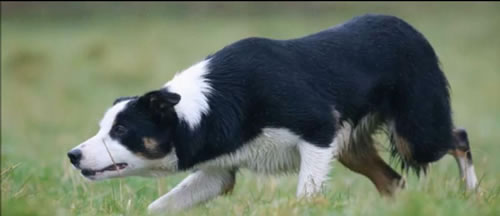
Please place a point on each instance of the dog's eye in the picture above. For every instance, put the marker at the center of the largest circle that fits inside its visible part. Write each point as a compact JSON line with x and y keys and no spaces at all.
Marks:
{"x":119,"y":130}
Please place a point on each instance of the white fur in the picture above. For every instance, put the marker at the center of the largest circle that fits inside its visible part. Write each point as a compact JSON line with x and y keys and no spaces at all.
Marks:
{"x":314,"y":168}
{"x":95,"y":155}
{"x":347,"y":135}
{"x":198,"y":187}
{"x":467,"y":172}
{"x":273,"y":151}
{"x":343,"y":137}
{"x":109,"y":117}
{"x":193,"y":88}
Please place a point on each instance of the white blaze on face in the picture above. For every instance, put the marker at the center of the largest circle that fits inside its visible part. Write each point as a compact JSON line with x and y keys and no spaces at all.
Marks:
{"x":193,"y":88}
{"x":101,"y":151}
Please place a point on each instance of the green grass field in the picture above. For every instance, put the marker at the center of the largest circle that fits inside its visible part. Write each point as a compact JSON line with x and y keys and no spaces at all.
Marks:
{"x":60,"y":73}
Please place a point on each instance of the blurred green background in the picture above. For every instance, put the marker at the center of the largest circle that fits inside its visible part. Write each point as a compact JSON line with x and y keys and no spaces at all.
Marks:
{"x":63,"y":64}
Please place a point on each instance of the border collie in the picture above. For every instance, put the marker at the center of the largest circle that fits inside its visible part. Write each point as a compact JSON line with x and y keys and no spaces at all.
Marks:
{"x":286,"y":106}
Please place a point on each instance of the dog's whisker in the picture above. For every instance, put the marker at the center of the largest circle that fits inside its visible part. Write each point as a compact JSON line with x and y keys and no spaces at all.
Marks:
{"x":112,"y":159}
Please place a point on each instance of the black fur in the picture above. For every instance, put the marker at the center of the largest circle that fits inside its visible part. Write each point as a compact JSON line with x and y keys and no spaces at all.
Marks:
{"x":151,"y":117}
{"x":372,"y":64}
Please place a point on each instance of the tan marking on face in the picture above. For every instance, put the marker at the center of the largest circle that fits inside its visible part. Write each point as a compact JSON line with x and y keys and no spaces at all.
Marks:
{"x":150,"y":143}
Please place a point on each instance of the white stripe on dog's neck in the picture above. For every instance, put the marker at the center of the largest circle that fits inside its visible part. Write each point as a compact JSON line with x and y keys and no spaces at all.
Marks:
{"x":193,"y":88}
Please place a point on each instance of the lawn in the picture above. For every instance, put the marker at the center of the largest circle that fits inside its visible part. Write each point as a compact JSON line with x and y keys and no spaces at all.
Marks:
{"x":61,"y":67}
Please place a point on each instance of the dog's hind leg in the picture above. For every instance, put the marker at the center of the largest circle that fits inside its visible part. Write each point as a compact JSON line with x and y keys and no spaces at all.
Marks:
{"x":358,"y":153}
{"x":463,"y":156}
{"x":198,"y":187}
{"x":368,"y":163}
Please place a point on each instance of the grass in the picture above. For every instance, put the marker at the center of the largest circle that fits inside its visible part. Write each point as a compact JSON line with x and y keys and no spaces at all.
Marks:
{"x":59,"y":75}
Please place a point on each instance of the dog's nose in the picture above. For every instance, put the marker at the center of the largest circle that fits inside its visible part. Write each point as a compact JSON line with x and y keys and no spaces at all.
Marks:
{"x":75,"y":156}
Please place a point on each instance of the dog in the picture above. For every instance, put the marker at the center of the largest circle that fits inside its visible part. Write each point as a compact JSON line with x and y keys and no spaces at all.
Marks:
{"x":286,"y":106}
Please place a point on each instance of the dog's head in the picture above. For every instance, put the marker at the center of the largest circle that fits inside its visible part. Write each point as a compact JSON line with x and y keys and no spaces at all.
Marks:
{"x":135,"y":138}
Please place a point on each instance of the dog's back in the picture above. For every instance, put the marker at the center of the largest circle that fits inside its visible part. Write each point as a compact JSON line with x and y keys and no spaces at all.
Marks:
{"x":371,"y":65}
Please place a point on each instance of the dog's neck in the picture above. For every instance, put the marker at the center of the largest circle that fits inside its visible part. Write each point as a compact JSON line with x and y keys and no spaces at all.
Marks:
{"x":167,"y":165}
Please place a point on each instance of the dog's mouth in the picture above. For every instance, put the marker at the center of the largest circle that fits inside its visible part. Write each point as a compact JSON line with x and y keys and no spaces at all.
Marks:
{"x":113,"y":167}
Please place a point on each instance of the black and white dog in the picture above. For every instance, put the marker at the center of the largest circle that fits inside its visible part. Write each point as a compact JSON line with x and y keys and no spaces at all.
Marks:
{"x":282,"y":106}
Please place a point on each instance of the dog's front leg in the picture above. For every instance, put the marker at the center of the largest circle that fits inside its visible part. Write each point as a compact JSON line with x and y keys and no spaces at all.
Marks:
{"x":198,"y":187}
{"x":314,"y":168}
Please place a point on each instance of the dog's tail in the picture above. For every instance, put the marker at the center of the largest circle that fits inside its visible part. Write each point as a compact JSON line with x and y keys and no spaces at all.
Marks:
{"x":463,"y":156}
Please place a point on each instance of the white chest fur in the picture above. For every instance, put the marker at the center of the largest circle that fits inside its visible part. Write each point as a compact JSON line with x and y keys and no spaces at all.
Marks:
{"x":273,"y":151}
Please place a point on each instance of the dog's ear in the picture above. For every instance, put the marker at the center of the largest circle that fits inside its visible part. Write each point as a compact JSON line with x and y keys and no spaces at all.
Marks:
{"x":120,"y":99}
{"x":159,"y":102}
